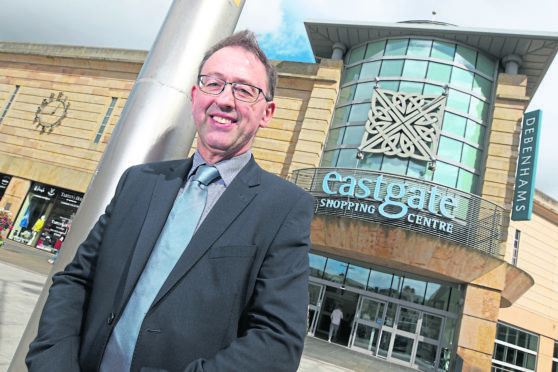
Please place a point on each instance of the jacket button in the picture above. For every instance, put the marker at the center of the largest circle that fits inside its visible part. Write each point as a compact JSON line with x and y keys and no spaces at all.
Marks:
{"x":110,"y":318}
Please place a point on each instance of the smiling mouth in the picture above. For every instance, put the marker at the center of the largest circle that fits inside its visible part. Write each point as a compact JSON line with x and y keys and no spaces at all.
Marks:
{"x":222,"y":120}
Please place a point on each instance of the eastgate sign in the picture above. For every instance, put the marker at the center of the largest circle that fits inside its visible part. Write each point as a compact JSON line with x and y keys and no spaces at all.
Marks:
{"x":391,"y":200}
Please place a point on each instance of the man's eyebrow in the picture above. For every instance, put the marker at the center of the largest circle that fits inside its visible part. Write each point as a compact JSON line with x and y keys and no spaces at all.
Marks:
{"x":236,"y":80}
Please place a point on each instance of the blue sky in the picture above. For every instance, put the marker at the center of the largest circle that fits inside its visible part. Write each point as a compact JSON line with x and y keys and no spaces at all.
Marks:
{"x":133,"y":24}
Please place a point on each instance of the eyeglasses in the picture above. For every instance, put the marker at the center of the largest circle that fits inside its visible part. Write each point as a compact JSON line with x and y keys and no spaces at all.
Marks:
{"x":242,"y":92}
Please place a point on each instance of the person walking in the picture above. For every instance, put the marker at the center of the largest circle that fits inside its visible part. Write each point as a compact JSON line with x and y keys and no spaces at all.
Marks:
{"x":336,"y":317}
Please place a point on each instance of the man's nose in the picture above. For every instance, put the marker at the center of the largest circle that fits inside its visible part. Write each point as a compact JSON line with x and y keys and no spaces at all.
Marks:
{"x":226,"y":97}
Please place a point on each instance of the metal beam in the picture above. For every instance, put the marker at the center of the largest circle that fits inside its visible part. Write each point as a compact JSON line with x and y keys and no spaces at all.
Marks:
{"x":155,"y":124}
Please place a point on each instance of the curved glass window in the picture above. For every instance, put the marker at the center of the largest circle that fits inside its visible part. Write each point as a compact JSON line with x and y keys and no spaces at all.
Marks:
{"x":417,"y":66}
{"x":415,"y":69}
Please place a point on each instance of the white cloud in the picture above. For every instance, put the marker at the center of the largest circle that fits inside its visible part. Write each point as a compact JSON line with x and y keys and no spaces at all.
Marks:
{"x":261,"y":16}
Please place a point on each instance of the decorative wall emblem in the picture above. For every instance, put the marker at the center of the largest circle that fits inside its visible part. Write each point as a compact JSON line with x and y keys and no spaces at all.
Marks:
{"x":51,"y":111}
{"x":404,"y":125}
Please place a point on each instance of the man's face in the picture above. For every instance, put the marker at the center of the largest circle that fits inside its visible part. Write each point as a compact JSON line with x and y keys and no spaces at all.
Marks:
{"x":226,"y":126}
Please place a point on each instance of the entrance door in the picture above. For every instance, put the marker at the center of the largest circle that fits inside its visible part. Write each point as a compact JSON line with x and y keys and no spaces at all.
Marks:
{"x":411,"y":336}
{"x":315,"y":299}
{"x":367,"y":324}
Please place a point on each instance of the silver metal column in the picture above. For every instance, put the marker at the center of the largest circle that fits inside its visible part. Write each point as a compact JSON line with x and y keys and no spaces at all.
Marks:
{"x":155,"y":124}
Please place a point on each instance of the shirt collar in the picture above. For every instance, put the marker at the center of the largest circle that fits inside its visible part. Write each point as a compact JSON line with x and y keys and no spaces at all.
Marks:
{"x":228,"y":169}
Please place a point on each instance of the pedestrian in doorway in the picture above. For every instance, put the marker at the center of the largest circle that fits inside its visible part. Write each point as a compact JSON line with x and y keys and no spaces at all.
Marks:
{"x":336,"y":317}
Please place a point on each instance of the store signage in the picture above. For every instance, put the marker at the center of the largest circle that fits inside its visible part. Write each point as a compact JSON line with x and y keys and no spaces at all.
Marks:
{"x":391,"y":200}
{"x":526,"y":167}
{"x":4,"y":182}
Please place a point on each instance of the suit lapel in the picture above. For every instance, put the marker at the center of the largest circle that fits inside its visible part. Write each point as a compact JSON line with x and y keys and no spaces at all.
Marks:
{"x":164,"y":193}
{"x":232,"y":202}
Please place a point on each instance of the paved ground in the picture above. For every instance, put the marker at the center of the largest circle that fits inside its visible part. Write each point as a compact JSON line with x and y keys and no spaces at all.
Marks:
{"x":24,"y":270}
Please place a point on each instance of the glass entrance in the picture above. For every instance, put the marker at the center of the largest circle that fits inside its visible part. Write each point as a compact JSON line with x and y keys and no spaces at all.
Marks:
{"x":315,"y":299}
{"x":367,"y":324}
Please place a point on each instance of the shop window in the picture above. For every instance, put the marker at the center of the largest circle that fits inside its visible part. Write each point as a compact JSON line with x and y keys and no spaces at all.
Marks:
{"x":419,"y":48}
{"x":514,"y":349}
{"x":396,"y":47}
{"x":4,"y":182}
{"x":443,"y":50}
{"x":370,"y":70}
{"x":392,"y":68}
{"x":364,"y":91}
{"x":352,"y":73}
{"x":438,"y":72}
{"x":375,"y":49}
{"x":462,"y":78}
{"x":45,"y":217}
{"x":357,"y":54}
{"x":465,"y":56}
{"x":415,"y":69}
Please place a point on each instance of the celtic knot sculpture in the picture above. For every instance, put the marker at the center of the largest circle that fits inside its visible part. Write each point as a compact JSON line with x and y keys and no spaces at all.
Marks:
{"x":404,"y":125}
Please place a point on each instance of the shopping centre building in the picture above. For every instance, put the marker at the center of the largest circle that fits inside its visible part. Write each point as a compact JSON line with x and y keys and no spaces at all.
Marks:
{"x":408,"y":137}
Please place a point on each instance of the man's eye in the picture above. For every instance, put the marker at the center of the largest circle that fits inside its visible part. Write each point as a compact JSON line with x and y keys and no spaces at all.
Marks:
{"x":212,"y":84}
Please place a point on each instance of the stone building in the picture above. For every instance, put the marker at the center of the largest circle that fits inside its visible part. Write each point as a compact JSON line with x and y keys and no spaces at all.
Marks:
{"x":406,"y":134}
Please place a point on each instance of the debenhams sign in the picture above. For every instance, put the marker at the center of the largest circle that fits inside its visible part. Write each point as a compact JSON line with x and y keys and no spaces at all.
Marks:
{"x":377,"y":199}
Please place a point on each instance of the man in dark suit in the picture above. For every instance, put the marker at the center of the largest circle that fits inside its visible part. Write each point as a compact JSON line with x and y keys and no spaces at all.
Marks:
{"x":236,"y":299}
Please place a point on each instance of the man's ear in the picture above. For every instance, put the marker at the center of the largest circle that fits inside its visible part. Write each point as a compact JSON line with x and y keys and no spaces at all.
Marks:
{"x":267,"y":114}
{"x":192,"y":93}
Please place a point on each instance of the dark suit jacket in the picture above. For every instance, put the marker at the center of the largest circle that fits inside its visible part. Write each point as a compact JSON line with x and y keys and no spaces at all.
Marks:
{"x":236,"y":300}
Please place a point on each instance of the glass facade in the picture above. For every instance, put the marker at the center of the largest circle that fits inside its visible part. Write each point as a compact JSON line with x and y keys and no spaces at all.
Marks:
{"x":418,"y":66}
{"x":386,"y":313}
{"x":514,"y":349}
{"x":394,"y":285}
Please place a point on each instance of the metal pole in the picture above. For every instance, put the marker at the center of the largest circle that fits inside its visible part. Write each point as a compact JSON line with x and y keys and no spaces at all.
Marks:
{"x":155,"y":124}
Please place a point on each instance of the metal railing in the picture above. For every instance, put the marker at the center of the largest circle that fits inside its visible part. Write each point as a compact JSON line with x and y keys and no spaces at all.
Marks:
{"x":476,"y":222}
